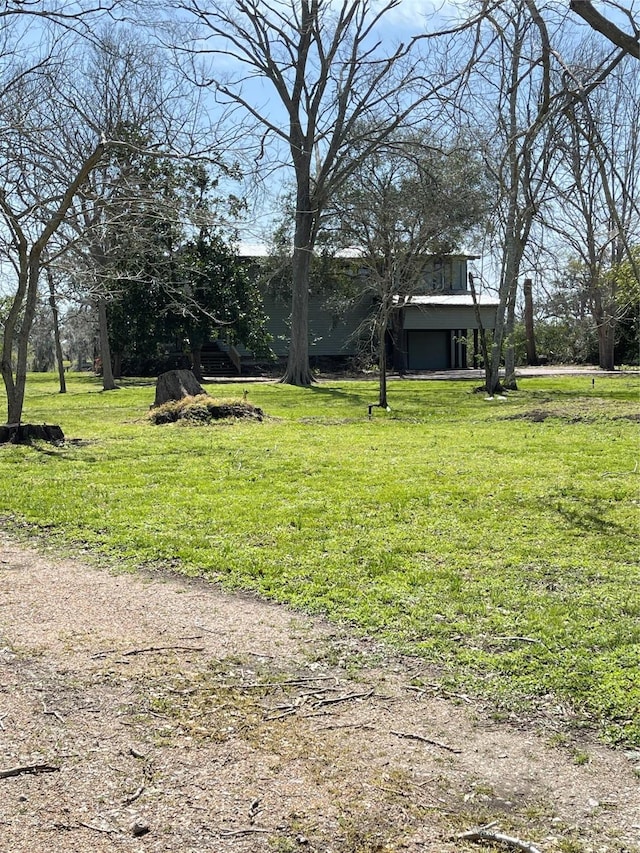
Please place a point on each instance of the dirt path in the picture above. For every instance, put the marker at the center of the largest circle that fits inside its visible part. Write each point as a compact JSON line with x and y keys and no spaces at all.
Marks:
{"x":175,"y":717}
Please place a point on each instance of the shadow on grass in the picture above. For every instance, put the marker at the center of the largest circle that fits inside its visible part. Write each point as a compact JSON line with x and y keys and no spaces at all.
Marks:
{"x":137,"y":382}
{"x":335,"y":394}
{"x":590,"y":520}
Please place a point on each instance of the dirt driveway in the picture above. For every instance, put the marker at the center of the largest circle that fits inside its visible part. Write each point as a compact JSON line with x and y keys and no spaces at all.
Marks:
{"x":161,"y":714}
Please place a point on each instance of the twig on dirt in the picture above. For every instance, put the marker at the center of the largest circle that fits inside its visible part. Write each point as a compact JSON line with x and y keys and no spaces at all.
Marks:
{"x":132,"y":652}
{"x":302,"y":681}
{"x":412,"y":736}
{"x":286,"y":713}
{"x":435,"y":688}
{"x":136,"y":753}
{"x":53,"y":713}
{"x":68,"y":827}
{"x":28,"y":768}
{"x":420,"y":690}
{"x":97,"y":828}
{"x":483,"y":833}
{"x":247,"y":830}
{"x":133,"y":797}
{"x":2,"y":716}
{"x":334,"y":700}
{"x":345,"y":726}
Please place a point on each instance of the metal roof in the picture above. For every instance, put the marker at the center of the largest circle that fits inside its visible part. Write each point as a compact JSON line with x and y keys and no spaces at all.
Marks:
{"x":464,"y":299}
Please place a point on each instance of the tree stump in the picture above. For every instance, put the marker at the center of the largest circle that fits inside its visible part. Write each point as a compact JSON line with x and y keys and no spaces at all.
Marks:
{"x":176,"y":384}
{"x":26,"y":433}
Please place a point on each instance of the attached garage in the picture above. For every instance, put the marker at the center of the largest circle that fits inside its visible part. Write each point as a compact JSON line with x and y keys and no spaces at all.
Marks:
{"x":428,"y":349}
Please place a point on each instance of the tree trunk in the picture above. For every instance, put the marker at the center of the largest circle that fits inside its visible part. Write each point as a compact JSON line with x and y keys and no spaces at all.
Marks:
{"x":606,"y":343}
{"x":482,"y":333}
{"x":196,"y":361}
{"x":298,"y":371}
{"x":56,"y":333}
{"x":510,"y":351}
{"x":108,"y":383}
{"x":492,"y":365}
{"x":382,"y":363}
{"x":532,"y":355}
{"x":26,"y":433}
{"x":606,"y":327}
{"x":15,"y":382}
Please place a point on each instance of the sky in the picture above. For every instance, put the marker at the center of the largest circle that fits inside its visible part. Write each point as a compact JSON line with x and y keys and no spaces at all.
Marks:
{"x":409,"y":18}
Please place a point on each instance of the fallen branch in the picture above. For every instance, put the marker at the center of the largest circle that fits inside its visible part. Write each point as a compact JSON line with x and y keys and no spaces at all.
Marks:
{"x":286,"y":713}
{"x":347,"y":698}
{"x":133,"y":797}
{"x":162,"y":649}
{"x":52,"y":713}
{"x":28,"y":768}
{"x":247,"y":830}
{"x":519,"y":639}
{"x":97,"y":828}
{"x":69,"y":827}
{"x":483,"y":833}
{"x":300,"y":682}
{"x":412,"y":736}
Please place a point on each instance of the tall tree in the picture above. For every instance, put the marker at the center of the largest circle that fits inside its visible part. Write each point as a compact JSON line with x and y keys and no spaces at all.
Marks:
{"x":125,"y":220}
{"x":337,"y":90}
{"x":124,"y":92}
{"x":597,"y":183}
{"x":408,"y":200}
{"x":39,"y":181}
{"x":517,"y":155}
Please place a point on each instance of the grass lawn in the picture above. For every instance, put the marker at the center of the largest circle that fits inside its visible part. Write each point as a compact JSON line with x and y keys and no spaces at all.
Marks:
{"x":497,"y":539}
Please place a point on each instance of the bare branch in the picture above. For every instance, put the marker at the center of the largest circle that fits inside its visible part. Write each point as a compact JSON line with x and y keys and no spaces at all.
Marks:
{"x":630,"y":44}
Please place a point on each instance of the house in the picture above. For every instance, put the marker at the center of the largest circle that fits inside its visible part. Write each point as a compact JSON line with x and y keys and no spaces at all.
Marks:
{"x":432,"y":329}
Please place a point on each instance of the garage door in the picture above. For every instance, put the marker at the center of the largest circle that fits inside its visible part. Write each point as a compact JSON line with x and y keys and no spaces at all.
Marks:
{"x":428,"y":349}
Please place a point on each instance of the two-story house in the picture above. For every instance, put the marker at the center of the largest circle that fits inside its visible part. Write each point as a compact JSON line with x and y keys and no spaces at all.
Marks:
{"x":434,"y":328}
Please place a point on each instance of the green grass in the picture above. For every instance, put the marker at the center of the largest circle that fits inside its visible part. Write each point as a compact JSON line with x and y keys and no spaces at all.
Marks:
{"x":501,"y":549}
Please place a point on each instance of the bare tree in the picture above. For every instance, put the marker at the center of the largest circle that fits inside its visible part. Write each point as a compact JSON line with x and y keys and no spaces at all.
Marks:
{"x":337,"y":90}
{"x":520,"y":76}
{"x":38,"y":183}
{"x":517,"y":95}
{"x":404,"y":203}
{"x":129,"y":208}
{"x":55,"y":318}
{"x":598,"y":187}
{"x":121,"y":93}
